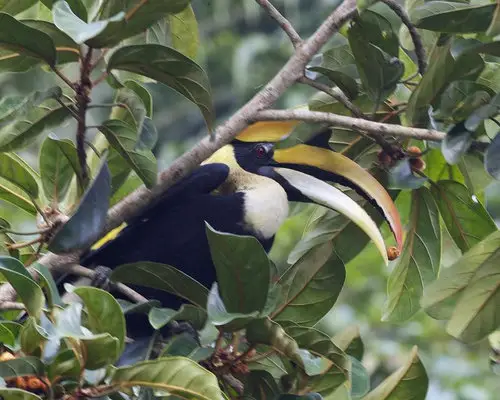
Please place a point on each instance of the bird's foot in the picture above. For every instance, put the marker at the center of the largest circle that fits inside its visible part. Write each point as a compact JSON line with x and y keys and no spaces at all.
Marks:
{"x":101,"y":278}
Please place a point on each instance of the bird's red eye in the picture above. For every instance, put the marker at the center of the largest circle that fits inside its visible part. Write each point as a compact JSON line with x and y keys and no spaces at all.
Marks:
{"x":260,"y":151}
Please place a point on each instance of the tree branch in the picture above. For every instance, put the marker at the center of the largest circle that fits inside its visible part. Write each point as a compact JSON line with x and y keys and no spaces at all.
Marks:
{"x":265,"y":98}
{"x":282,"y":22}
{"x":350,"y":123}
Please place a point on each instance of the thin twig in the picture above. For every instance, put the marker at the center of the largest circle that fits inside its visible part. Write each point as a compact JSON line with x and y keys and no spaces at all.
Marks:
{"x":339,"y":96}
{"x":15,"y":246}
{"x":350,"y":123}
{"x":64,"y":78}
{"x":107,"y":105}
{"x":78,"y":270}
{"x":70,"y":110}
{"x":415,"y":36}
{"x":282,"y":22}
{"x":100,"y":79}
{"x":98,"y":60}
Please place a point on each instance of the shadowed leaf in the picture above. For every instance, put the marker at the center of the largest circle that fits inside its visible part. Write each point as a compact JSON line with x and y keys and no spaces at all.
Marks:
{"x":17,"y":174}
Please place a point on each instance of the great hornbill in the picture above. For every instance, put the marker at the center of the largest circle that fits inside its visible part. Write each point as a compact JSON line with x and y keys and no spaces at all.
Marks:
{"x":243,"y":188}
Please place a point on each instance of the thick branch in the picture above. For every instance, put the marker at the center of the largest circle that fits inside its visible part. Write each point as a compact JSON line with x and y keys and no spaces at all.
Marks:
{"x":282,"y":22}
{"x":350,"y":123}
{"x":265,"y":98}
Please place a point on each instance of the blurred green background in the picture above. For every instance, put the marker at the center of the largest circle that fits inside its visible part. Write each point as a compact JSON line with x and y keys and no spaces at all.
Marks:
{"x":241,"y":48}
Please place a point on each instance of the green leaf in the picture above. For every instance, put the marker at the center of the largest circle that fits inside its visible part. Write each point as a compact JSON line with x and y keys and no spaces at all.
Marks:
{"x":451,"y":17}
{"x":315,"y":280}
{"x":418,"y":265}
{"x":171,"y":68}
{"x":104,"y":314}
{"x":492,"y":157}
{"x":349,"y":340}
{"x":140,"y":15}
{"x":101,"y":350}
{"x":238,"y":260}
{"x":16,"y":199}
{"x":23,"y":366}
{"x":159,"y":317}
{"x":186,"y":345}
{"x":47,"y":282}
{"x":28,"y":41}
{"x":64,"y":364}
{"x":6,"y":336}
{"x":494,"y":28}
{"x":339,"y":66}
{"x":31,"y":336}
{"x":86,"y":224}
{"x":321,"y":345}
{"x":16,"y":7}
{"x":456,"y":143}
{"x":16,"y":173}
{"x":162,"y":277}
{"x":176,"y":375}
{"x":124,"y":139}
{"x":18,"y":394}
{"x":58,"y":162}
{"x":359,"y":378}
{"x":17,"y":107}
{"x":184,"y":32}
{"x":464,"y":216}
{"x":27,"y":289}
{"x":143,"y":94}
{"x":77,"y":6}
{"x":441,"y":296}
{"x":22,"y":133}
{"x":260,"y":384}
{"x":68,"y":22}
{"x":409,"y":381}
{"x":492,"y":201}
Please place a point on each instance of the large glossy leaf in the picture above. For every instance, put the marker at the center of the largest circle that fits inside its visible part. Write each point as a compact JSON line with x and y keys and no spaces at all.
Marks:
{"x":80,"y":31}
{"x":243,"y":270}
{"x":318,"y":343}
{"x":58,"y":162}
{"x":23,"y":366}
{"x":410,"y":381}
{"x":87,"y":223}
{"x":464,"y":216}
{"x":339,"y":66}
{"x":22,"y":133}
{"x":184,"y":32}
{"x":15,"y":7}
{"x":27,"y":289}
{"x":175,"y":375}
{"x":315,"y":280}
{"x":17,"y":199}
{"x":418,"y":265}
{"x":140,"y":15}
{"x":123,"y":139}
{"x":17,"y":174}
{"x":162,"y":277}
{"x":452,"y":17}
{"x":349,"y":341}
{"x":260,"y":384}
{"x":18,"y":394}
{"x":440,"y":297}
{"x":104,"y":314}
{"x":492,"y":157}
{"x":171,"y":68}
{"x":27,"y":40}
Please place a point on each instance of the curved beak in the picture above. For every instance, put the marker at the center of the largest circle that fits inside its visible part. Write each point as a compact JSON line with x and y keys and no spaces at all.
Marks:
{"x":304,"y":187}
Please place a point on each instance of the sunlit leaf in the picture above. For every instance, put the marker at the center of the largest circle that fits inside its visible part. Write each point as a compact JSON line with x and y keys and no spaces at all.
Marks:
{"x":409,"y":382}
{"x":418,"y":264}
{"x":22,"y":133}
{"x":80,"y":31}
{"x":168,"y":66}
{"x":16,"y":7}
{"x":58,"y":164}
{"x":139,"y":15}
{"x":27,"y":40}
{"x":86,"y":224}
{"x":175,"y":375}
{"x":464,"y":216}
{"x":441,"y":296}
{"x":184,"y":32}
{"x":16,"y":173}
{"x":350,"y":342}
{"x":452,"y":17}
{"x":16,"y":199}
{"x":124,"y":139}
{"x":104,"y":314}
{"x":77,"y":6}
{"x":27,"y":289}
{"x":162,"y":277}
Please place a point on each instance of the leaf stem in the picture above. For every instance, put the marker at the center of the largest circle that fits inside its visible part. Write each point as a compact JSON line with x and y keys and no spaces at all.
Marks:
{"x":64,"y":78}
{"x":100,"y":79}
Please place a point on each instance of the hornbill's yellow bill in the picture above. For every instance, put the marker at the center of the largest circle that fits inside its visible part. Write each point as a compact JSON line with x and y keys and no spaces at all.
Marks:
{"x":316,"y":160}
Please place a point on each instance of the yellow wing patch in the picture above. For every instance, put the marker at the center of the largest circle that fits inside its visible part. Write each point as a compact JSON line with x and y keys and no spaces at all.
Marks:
{"x":108,"y":237}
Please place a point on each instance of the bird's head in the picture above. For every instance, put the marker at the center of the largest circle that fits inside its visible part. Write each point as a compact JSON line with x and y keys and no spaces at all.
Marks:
{"x":303,"y":170}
